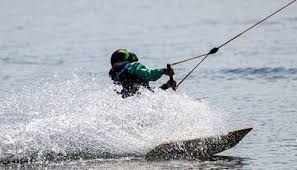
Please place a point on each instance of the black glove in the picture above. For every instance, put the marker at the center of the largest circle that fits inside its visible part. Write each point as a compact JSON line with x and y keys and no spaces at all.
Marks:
{"x":169,"y":72}
{"x":169,"y":84}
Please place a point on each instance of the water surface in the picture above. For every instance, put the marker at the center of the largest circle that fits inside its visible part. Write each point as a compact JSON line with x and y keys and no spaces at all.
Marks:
{"x":55,"y":95}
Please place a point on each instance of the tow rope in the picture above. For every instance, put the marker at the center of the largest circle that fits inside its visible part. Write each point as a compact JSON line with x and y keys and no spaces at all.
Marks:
{"x":214,"y":50}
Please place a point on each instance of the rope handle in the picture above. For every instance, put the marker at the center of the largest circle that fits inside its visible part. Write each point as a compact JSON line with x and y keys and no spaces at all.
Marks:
{"x":171,"y":80}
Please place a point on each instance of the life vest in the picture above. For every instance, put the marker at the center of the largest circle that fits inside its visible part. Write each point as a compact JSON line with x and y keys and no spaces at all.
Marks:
{"x":129,"y":82}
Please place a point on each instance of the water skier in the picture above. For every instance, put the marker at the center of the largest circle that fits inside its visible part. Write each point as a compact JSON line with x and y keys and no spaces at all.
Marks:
{"x":131,"y":74}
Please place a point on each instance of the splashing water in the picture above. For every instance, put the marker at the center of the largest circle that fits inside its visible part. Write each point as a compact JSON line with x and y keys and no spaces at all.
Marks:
{"x":65,"y":116}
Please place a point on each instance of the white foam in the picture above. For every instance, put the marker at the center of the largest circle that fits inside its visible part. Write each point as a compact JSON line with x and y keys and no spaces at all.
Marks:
{"x":83,"y":114}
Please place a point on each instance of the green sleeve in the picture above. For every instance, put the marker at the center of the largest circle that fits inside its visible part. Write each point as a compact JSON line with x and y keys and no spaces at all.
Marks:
{"x":138,"y":69}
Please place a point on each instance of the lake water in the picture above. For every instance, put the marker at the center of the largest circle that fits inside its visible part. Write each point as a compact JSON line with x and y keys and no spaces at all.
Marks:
{"x":55,"y":95}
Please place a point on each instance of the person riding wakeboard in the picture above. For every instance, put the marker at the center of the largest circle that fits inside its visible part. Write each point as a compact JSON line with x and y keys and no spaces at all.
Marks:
{"x":128,"y":72}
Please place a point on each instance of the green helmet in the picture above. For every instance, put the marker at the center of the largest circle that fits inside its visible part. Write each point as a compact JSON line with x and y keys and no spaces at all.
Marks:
{"x":122,"y":55}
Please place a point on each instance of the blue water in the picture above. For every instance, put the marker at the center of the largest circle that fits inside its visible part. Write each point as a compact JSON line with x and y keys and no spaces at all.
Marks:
{"x":55,"y":95}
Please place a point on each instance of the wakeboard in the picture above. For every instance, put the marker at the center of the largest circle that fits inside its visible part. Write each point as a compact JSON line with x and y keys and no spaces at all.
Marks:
{"x":198,"y":148}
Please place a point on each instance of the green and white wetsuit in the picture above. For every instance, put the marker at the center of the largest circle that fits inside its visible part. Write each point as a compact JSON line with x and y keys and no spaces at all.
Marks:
{"x":133,"y":75}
